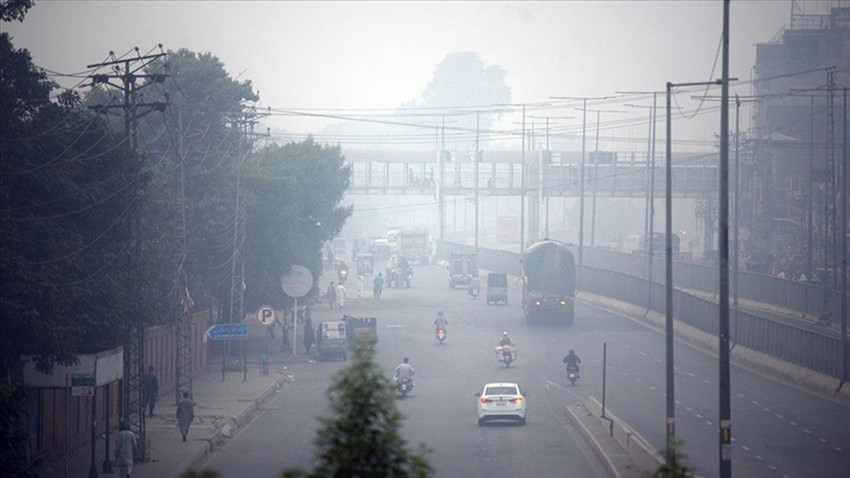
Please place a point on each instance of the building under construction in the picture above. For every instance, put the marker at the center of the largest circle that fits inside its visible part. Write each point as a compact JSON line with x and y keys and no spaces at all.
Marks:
{"x":792,"y":183}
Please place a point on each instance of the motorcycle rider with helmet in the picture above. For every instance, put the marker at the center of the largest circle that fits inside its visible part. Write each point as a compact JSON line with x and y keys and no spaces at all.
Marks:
{"x":505,"y":340}
{"x":572,"y":360}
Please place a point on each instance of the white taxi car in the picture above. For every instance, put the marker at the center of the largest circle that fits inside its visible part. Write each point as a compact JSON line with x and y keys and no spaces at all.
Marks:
{"x":501,"y":401}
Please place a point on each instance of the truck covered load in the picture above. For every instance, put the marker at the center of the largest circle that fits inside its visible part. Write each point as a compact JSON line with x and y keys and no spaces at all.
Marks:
{"x":549,"y":285}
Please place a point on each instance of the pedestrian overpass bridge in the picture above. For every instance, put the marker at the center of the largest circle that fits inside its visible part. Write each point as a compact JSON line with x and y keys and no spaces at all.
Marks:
{"x":500,"y":173}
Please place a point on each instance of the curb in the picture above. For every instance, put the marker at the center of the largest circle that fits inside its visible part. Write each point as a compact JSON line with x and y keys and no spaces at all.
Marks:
{"x":573,"y":416}
{"x":239,"y":420}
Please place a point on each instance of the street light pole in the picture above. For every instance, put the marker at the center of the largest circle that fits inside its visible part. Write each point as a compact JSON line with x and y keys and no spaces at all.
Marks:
{"x":477,"y":148}
{"x":668,"y":285}
{"x":522,"y":192}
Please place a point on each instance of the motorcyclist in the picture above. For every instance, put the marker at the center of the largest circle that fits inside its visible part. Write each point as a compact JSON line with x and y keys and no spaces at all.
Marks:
{"x":572,"y":360}
{"x":404,"y":370}
{"x":505,"y":340}
{"x":440,"y":322}
{"x":474,"y":286}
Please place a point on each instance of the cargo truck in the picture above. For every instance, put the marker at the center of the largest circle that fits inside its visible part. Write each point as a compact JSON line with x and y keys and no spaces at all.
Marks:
{"x":549,"y":282}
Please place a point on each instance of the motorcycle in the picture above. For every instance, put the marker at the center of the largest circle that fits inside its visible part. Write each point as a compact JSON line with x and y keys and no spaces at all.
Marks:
{"x":404,"y":385}
{"x":572,"y":375}
{"x":441,"y":334}
{"x":506,"y":354}
{"x":473,"y":292}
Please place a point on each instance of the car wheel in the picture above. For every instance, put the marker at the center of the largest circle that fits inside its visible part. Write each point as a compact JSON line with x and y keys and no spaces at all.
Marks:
{"x":521,"y":420}
{"x":481,"y":422}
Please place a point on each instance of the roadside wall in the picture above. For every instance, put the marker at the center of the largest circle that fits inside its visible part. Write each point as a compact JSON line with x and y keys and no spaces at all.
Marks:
{"x":50,"y":415}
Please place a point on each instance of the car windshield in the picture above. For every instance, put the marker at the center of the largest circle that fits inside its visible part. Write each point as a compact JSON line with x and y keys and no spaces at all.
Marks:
{"x":501,"y":390}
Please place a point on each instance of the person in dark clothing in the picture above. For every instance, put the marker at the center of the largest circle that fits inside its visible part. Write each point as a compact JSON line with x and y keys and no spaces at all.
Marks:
{"x":185,"y":414}
{"x":572,"y":360}
{"x":150,"y":390}
{"x":309,"y":336}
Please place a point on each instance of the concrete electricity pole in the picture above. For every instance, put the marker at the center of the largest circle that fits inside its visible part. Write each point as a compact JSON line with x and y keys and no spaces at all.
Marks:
{"x":127,"y":71}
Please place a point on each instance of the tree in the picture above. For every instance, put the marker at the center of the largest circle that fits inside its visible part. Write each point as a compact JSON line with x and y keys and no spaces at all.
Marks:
{"x":363,"y":437}
{"x":462,"y":81}
{"x":461,"y":85}
{"x":63,"y":204}
{"x":295,"y":192}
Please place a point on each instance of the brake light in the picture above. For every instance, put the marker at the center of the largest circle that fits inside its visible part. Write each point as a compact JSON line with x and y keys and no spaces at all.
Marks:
{"x":517,"y":400}
{"x":485,"y":400}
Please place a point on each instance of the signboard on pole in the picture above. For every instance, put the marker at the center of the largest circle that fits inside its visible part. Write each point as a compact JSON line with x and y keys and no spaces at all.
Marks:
{"x":228,"y":331}
{"x":298,"y":282}
{"x":266,"y":315}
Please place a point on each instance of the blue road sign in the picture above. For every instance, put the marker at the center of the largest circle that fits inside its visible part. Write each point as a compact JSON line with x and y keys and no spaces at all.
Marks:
{"x":228,"y":331}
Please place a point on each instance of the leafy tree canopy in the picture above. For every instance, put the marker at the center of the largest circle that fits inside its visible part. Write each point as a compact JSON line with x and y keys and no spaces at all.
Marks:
{"x":363,"y":437}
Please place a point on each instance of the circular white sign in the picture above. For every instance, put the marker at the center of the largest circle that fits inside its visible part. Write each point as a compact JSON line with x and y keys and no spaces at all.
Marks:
{"x":265,"y":315}
{"x":298,"y":282}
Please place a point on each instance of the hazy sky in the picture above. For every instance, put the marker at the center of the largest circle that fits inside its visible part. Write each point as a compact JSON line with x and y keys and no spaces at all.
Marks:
{"x":380,"y":54}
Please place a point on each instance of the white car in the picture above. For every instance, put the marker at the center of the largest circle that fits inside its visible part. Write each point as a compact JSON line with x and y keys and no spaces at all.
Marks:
{"x":501,"y":401}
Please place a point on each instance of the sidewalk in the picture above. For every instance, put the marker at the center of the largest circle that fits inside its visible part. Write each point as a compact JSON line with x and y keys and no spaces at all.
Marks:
{"x":221,"y":408}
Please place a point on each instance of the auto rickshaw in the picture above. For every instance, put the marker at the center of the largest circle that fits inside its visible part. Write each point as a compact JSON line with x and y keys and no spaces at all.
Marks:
{"x":497,"y":288}
{"x":364,"y":263}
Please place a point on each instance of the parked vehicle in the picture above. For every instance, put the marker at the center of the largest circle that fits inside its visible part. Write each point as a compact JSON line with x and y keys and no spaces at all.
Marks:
{"x":497,"y":288}
{"x":332,"y":341}
{"x":462,"y":267}
{"x":501,"y":401}
{"x":549,"y":282}
{"x":336,"y":337}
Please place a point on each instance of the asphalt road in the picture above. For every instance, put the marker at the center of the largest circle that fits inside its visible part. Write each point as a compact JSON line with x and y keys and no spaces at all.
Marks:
{"x":777,"y":430}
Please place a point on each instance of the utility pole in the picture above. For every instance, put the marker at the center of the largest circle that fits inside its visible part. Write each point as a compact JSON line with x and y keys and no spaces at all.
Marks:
{"x":596,"y":177}
{"x":649,"y":218}
{"x":522,"y":192}
{"x":581,"y":169}
{"x":477,"y":149}
{"x":725,"y":415}
{"x":127,"y":71}
{"x":668,"y":268}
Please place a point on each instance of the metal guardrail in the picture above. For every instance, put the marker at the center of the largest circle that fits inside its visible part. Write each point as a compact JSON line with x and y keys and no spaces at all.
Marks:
{"x":624,"y":280}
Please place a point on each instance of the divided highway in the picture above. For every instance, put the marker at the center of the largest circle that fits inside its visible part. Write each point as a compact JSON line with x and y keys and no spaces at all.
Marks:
{"x":778,"y":430}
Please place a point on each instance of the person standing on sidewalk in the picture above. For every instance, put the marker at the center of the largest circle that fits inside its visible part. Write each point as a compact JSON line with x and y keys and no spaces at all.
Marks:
{"x":185,"y":414}
{"x":125,"y":443}
{"x":151,"y":390}
{"x":309,"y":336}
{"x":331,"y":294}
{"x":340,"y":295}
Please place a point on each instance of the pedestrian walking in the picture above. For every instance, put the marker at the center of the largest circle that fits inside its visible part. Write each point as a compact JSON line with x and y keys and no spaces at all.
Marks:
{"x":377,"y":286}
{"x":331,"y":295}
{"x":150,"y":390}
{"x":309,"y":336}
{"x":125,"y":443}
{"x":359,"y":286}
{"x":340,"y":295}
{"x":185,"y":414}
